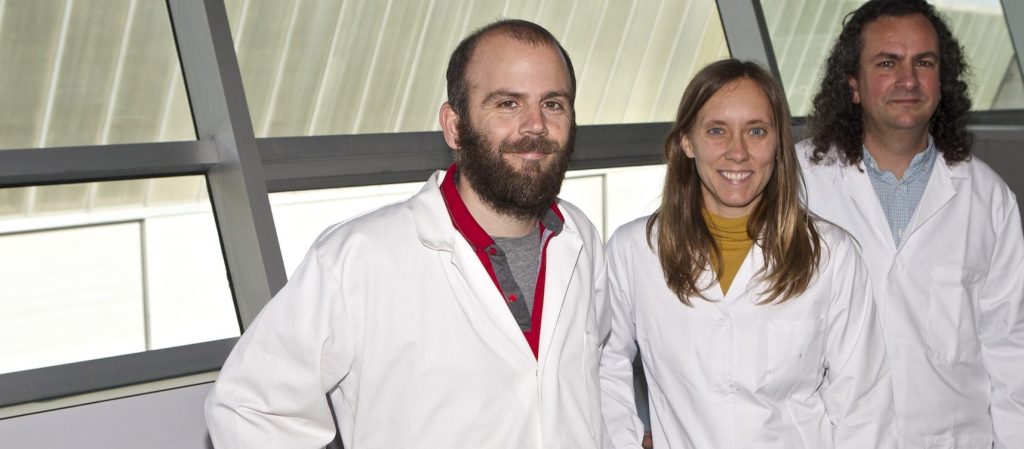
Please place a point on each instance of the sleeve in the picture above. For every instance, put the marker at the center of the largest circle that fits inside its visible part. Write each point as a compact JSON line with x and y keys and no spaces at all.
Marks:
{"x":1002,"y":330}
{"x":271,"y":391}
{"x":858,"y":392}
{"x":622,"y":423}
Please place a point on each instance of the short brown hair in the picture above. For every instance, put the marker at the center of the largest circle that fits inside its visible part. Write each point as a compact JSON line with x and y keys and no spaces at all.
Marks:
{"x":520,"y":30}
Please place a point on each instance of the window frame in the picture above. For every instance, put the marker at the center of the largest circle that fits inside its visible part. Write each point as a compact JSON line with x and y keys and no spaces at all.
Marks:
{"x":241,"y":170}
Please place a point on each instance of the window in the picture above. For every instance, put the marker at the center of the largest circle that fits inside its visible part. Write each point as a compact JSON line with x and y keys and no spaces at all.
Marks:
{"x":609,"y":197}
{"x":89,"y":73}
{"x":352,"y":67}
{"x":99,"y":269}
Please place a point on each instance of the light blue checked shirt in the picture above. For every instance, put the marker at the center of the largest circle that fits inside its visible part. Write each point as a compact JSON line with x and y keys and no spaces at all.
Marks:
{"x":899,"y":197}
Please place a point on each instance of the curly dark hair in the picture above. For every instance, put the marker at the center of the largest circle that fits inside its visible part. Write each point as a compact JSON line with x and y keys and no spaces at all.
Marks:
{"x":835,"y":120}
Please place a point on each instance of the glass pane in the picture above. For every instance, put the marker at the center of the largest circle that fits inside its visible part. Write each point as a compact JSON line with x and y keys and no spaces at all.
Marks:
{"x":345,"y":67}
{"x":626,"y":193}
{"x":803,"y":31}
{"x":84,"y":73}
{"x":107,"y":268}
{"x":609,"y":197}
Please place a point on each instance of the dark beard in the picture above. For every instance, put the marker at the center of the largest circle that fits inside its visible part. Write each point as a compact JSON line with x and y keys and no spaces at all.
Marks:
{"x":526,"y":193}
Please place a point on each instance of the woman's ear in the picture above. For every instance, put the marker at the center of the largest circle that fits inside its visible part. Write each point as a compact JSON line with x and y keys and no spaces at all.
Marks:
{"x":686,"y":145}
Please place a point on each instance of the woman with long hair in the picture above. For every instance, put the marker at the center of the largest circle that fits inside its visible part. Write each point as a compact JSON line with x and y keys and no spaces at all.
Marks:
{"x":754,"y":320}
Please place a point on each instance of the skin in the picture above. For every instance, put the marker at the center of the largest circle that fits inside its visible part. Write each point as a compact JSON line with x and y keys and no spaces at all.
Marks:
{"x":898,"y":88}
{"x":733,"y":143}
{"x":516,"y":90}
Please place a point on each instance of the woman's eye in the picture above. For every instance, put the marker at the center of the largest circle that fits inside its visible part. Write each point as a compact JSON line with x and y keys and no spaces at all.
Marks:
{"x":716,"y":131}
{"x":758,"y":132}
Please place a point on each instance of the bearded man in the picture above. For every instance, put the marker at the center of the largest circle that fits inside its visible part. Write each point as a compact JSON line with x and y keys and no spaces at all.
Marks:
{"x":470,"y":315}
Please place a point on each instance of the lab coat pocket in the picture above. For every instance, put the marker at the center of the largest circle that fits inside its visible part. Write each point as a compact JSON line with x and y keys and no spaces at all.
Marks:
{"x":951,"y":328}
{"x":796,"y":349}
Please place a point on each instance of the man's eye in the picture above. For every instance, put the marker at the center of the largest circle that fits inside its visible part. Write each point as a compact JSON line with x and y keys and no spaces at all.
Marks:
{"x":507,"y":104}
{"x":886,"y":64}
{"x":554,"y":106}
{"x":926,"y":63}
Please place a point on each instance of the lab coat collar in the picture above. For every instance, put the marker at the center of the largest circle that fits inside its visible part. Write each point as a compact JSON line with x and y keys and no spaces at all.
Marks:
{"x":435,"y":230}
{"x":942,"y":187}
{"x":743,"y":280}
{"x":856,"y":183}
{"x":563,"y":253}
{"x":433,"y":226}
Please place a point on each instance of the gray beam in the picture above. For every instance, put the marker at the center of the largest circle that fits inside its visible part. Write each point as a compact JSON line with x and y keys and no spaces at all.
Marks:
{"x":237,"y":187}
{"x":1013,"y":10}
{"x":111,"y":372}
{"x":318,"y":162}
{"x":747,"y":33}
{"x":90,"y":163}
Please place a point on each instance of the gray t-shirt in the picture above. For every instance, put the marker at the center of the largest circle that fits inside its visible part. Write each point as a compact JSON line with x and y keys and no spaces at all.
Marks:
{"x":523,"y":256}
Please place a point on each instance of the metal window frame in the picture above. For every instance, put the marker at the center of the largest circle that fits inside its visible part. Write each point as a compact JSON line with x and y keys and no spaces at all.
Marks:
{"x":1013,"y":11}
{"x":241,"y":169}
{"x":225,"y":151}
{"x":747,"y":33}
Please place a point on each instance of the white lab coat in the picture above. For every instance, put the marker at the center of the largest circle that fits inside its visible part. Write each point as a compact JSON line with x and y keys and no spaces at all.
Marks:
{"x":949,"y":299}
{"x":729,"y":374}
{"x":395,"y":309}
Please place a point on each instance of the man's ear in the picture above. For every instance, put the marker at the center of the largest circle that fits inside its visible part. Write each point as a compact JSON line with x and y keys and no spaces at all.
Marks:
{"x":854,"y":89}
{"x":449,"y":125}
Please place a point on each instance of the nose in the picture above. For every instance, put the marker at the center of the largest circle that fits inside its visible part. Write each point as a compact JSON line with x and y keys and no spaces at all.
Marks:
{"x":737,"y":151}
{"x":534,"y":122}
{"x":907,"y":78}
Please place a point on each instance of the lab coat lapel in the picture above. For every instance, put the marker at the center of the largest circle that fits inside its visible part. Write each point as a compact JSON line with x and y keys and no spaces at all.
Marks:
{"x":714,"y":291}
{"x":938,"y":193}
{"x":745,"y":275}
{"x":484,"y":304}
{"x":473,"y":288}
{"x":563,"y":255}
{"x":856,"y":184}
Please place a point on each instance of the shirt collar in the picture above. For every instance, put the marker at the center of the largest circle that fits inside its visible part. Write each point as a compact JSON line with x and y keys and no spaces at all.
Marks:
{"x":918,"y":164}
{"x":468,"y":226}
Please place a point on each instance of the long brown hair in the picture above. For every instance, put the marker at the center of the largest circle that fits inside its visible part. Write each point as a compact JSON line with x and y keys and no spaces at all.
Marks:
{"x":779,"y":223}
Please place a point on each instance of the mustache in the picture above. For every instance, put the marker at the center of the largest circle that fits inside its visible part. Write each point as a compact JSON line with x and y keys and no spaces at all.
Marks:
{"x":541,"y":145}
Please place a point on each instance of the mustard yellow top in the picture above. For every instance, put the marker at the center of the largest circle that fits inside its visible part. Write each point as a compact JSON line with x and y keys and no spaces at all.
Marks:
{"x":731,"y":236}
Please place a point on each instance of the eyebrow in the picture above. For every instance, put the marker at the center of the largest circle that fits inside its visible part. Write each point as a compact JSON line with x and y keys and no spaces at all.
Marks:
{"x":501,"y":93}
{"x":919,"y":56}
{"x":555,"y":94}
{"x":756,"y":121}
